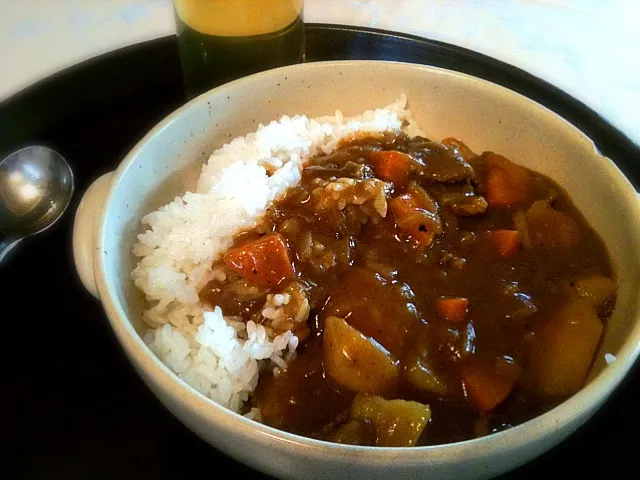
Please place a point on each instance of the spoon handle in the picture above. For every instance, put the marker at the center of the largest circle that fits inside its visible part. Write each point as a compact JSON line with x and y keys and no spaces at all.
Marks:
{"x":6,"y":245}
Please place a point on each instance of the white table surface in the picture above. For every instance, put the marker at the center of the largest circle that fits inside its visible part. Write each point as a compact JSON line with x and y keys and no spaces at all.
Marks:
{"x":589,"y":48}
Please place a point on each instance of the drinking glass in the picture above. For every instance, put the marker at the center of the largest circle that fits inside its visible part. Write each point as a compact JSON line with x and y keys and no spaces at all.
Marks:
{"x":221,"y":40}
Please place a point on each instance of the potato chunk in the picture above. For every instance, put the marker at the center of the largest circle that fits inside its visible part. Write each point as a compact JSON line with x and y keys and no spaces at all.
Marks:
{"x":397,"y":423}
{"x":424,"y":377}
{"x":550,"y":228}
{"x":357,"y":362}
{"x":506,"y":183}
{"x":356,"y":432}
{"x":564,"y":349}
{"x":595,"y":289}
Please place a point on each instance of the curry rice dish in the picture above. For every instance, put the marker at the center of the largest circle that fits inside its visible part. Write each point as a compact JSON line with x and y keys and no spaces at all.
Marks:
{"x":351,"y":280}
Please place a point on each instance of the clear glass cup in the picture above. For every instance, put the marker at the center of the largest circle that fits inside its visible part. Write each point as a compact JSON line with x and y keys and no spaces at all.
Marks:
{"x":221,"y":40}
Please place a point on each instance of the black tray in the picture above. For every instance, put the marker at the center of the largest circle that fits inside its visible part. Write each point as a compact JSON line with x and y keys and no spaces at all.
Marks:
{"x":73,"y":406}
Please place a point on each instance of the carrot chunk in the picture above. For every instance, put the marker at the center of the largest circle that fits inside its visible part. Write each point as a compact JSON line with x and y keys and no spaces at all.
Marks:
{"x":401,"y":206}
{"x":424,"y":238}
{"x":264,"y":261}
{"x":392,"y":166}
{"x":416,"y":214}
{"x":488,"y":383}
{"x":505,"y":182}
{"x":505,"y":242}
{"x":453,"y":309}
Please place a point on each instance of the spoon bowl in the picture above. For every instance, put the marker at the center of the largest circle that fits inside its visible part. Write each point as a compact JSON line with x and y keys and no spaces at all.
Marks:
{"x":36,"y":185}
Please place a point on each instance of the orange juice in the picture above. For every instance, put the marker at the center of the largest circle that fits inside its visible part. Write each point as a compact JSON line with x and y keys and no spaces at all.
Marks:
{"x":220,"y":40}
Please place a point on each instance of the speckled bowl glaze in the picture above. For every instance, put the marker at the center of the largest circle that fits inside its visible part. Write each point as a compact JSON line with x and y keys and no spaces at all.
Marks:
{"x":166,"y":162}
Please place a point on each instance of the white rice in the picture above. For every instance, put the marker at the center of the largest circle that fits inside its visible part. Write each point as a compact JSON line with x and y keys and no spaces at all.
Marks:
{"x":221,"y":356}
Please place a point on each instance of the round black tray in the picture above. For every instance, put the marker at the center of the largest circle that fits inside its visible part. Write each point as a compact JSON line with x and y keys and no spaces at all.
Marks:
{"x":73,"y":406}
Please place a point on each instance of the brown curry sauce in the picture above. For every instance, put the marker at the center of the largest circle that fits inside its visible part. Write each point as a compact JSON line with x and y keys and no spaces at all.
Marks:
{"x":386,"y":277}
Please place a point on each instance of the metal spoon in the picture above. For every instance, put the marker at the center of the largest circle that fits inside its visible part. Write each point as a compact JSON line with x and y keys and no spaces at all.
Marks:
{"x":36,"y":185}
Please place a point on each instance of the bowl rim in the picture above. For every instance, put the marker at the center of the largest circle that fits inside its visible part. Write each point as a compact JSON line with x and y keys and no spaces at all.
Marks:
{"x":573,"y":411}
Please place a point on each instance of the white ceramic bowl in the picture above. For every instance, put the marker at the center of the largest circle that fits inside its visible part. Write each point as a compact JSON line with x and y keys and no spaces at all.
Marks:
{"x":487,"y":117}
